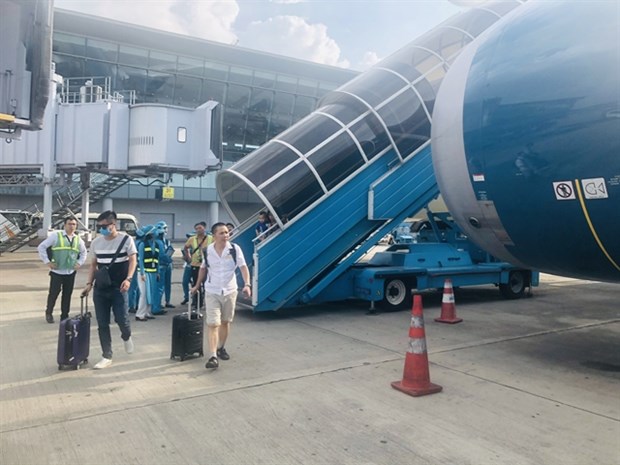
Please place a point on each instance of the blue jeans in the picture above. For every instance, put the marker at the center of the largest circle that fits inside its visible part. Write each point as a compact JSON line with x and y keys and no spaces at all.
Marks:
{"x":106,"y":302}
{"x":187,"y":276}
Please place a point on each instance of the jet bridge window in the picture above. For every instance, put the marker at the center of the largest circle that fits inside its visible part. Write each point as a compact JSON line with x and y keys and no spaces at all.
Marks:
{"x":293,"y":191}
{"x":371,"y":135}
{"x":343,"y":112}
{"x":266,"y":162}
{"x":336,"y":160}
{"x":446,"y":42}
{"x":316,"y":129}
{"x":376,"y":86}
{"x":476,"y":21}
{"x":412,"y":62}
{"x":407,"y":122}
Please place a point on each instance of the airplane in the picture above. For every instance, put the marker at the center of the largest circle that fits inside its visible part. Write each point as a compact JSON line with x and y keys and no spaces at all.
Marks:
{"x":526,"y":139}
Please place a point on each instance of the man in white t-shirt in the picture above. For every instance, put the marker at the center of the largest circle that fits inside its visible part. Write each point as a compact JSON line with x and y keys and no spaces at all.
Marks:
{"x":222,"y":258}
{"x":111,"y":299}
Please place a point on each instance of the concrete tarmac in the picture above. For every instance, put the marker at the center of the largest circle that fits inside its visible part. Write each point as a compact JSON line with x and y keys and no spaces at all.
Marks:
{"x":533,"y":381}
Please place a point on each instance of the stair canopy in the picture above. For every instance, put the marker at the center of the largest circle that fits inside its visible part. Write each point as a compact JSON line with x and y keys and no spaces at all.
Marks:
{"x":383,"y":111}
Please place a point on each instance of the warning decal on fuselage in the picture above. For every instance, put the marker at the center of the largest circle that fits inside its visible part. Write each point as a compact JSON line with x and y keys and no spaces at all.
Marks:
{"x":594,"y":188}
{"x":564,"y":190}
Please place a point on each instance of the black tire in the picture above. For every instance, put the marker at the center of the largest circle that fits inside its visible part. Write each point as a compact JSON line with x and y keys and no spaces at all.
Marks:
{"x":396,"y":295}
{"x":515,"y":288}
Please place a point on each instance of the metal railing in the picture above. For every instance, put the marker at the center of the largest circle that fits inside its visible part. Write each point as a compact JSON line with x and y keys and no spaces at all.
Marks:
{"x":94,"y":89}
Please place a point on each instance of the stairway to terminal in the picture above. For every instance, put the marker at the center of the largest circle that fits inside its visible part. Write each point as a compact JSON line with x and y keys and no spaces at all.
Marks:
{"x":341,"y":178}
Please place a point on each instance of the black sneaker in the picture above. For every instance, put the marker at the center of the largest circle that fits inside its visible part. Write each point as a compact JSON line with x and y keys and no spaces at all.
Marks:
{"x":221,"y":353}
{"x":212,"y":363}
{"x":184,"y":301}
{"x":169,"y":305}
{"x":49,"y":318}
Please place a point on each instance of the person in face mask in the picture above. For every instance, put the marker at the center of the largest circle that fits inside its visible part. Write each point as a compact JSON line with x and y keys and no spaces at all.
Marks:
{"x":111,"y":299}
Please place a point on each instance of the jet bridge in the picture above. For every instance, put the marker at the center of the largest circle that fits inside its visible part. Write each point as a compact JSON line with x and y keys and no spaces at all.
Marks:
{"x":337,"y":181}
{"x":108,"y":141}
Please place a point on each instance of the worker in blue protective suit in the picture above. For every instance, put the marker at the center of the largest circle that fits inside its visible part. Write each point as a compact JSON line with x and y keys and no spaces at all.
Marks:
{"x":148,"y":275}
{"x":133,"y":294}
{"x":165,"y":263}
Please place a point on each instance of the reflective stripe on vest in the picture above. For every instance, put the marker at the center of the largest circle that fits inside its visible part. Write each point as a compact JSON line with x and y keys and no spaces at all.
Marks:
{"x":151,"y":262}
{"x":64,"y":253}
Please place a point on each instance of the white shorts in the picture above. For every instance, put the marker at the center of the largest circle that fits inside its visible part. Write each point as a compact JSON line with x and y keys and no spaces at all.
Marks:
{"x":220,"y":308}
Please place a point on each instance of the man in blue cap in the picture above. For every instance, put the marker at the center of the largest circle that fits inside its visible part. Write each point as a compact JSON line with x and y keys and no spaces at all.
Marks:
{"x":165,"y":263}
{"x":148,"y":274}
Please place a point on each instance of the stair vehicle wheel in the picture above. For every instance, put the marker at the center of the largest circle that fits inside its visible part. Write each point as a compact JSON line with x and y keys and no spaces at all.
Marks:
{"x":396,"y":294}
{"x":515,"y":287}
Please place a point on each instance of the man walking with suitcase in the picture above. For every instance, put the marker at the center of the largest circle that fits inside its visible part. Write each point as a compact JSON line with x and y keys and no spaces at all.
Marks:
{"x":111,"y":271}
{"x":64,"y":252}
{"x":222,"y":258}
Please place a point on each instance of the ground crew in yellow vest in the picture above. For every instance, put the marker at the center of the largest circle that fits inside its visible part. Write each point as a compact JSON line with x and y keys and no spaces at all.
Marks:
{"x":64,"y":252}
{"x":192,"y":253}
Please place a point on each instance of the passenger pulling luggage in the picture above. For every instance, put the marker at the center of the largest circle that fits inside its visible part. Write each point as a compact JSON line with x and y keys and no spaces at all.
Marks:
{"x":187,"y":334}
{"x":74,"y":339}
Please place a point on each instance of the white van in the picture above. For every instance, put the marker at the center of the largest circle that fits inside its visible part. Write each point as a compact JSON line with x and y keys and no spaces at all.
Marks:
{"x":124,"y":222}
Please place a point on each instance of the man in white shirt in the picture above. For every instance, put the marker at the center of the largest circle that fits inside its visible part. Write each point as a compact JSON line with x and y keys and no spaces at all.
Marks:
{"x":116,"y":252}
{"x":64,"y":252}
{"x":222,"y":258}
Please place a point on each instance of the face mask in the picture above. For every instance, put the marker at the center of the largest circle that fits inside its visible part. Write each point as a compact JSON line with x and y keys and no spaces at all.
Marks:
{"x":104,"y":231}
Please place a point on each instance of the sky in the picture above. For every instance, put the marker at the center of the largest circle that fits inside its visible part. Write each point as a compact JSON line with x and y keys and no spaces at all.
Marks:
{"x":352,"y":34}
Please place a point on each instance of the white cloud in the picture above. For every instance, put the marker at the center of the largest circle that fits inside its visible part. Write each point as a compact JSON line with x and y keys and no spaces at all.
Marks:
{"x":294,"y":37}
{"x":467,"y":2}
{"x":212,"y":20}
{"x":369,"y":59}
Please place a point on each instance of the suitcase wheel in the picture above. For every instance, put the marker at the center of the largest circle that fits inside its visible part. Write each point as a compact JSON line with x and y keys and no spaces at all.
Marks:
{"x":85,"y":361}
{"x":171,"y":356}
{"x":59,"y":367}
{"x":182,"y":358}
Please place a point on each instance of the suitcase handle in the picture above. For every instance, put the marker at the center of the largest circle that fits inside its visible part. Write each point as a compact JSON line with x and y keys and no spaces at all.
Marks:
{"x":83,"y":306}
{"x":189,"y":308}
{"x":190,"y":312}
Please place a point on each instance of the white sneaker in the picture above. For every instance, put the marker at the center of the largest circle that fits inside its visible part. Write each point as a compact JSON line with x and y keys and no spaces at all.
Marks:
{"x":104,"y":363}
{"x":129,"y":345}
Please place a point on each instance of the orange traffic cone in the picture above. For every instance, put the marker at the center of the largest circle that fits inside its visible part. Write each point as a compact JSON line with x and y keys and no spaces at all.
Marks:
{"x":448,"y":310}
{"x":416,"y":378}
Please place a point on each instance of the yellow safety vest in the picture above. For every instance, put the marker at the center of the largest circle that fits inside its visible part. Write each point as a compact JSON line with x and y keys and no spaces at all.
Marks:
{"x":65,"y":254}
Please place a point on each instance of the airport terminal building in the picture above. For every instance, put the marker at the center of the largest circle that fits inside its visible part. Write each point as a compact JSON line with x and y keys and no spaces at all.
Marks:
{"x":261,"y":95}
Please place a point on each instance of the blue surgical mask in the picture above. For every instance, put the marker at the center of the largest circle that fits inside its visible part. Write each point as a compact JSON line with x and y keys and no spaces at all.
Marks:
{"x":104,"y":231}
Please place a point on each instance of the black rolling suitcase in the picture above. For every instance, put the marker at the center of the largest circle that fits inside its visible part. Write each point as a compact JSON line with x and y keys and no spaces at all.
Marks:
{"x":187,"y":334}
{"x":74,"y":339}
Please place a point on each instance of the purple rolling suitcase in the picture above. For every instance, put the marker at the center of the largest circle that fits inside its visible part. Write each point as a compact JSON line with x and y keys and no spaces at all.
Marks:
{"x":74,"y":339}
